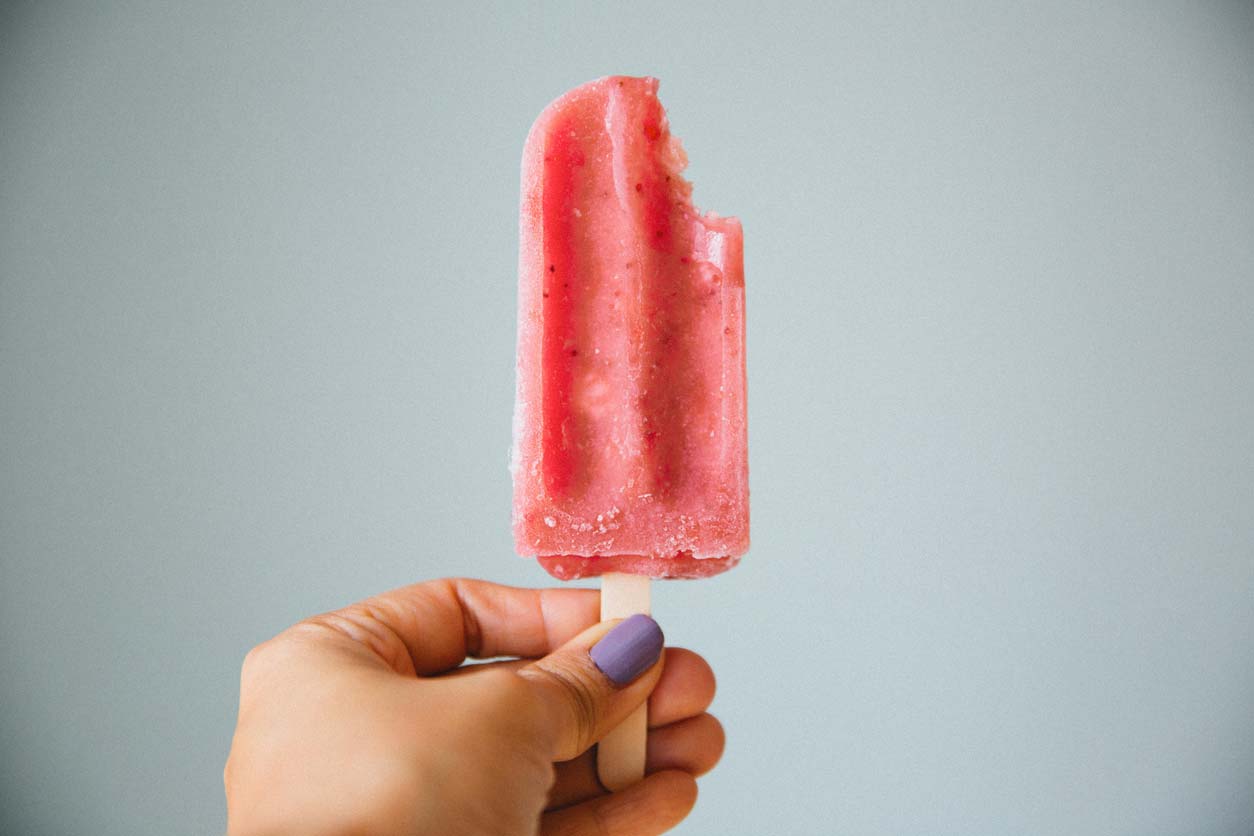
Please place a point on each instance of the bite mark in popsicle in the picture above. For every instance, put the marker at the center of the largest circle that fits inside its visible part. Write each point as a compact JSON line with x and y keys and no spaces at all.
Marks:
{"x":629,"y":434}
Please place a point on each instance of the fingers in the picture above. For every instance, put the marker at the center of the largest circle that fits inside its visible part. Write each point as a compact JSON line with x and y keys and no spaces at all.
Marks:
{"x":685,"y":690}
{"x":693,"y":745}
{"x":594,"y":681}
{"x":653,"y":806}
{"x":431,"y":627}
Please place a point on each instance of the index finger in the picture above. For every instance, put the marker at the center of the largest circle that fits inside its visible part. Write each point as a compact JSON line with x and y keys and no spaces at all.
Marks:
{"x":438,"y":624}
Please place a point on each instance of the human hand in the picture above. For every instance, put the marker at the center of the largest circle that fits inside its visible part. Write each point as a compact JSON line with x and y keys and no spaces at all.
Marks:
{"x":360,"y":721}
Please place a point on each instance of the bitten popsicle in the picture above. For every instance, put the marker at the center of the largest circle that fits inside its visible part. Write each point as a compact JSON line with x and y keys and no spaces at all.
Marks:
{"x":630,"y":458}
{"x":629,"y":426}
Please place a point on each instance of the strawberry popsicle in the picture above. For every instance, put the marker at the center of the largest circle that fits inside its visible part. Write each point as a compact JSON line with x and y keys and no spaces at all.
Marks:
{"x":629,"y":426}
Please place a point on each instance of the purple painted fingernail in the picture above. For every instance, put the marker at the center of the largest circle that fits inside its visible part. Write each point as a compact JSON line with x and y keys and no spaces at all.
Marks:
{"x":629,"y":649}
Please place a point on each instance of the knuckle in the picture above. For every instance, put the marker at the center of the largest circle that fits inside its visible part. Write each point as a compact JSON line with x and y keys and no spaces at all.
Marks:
{"x":507,"y":687}
{"x":254,"y":660}
{"x":582,"y":702}
{"x":523,"y":704}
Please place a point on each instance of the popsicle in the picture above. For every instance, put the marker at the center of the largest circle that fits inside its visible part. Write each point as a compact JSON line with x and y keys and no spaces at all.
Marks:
{"x":629,"y":426}
{"x":630,"y":457}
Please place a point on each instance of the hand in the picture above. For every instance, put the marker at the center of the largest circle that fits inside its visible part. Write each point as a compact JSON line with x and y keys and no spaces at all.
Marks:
{"x":360,"y":721}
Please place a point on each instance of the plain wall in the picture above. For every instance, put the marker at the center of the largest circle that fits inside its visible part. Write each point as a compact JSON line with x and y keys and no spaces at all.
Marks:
{"x":257,"y":277}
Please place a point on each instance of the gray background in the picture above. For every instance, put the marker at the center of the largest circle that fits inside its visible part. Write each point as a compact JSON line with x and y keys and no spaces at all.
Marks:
{"x":257,"y":268}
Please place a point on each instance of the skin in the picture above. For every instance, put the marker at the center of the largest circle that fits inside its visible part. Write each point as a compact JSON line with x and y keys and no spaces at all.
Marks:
{"x":364,"y":721}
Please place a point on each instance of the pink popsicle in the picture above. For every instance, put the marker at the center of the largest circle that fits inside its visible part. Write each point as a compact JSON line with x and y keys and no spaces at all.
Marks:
{"x":629,"y":426}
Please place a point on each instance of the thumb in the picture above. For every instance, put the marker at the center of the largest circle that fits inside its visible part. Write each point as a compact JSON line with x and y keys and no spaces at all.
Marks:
{"x":590,"y":684}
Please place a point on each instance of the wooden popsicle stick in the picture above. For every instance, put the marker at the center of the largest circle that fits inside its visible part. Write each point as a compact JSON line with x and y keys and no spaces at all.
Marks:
{"x":620,"y":755}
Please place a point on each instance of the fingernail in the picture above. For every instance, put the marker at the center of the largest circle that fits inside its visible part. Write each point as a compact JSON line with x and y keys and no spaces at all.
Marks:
{"x":629,"y":649}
